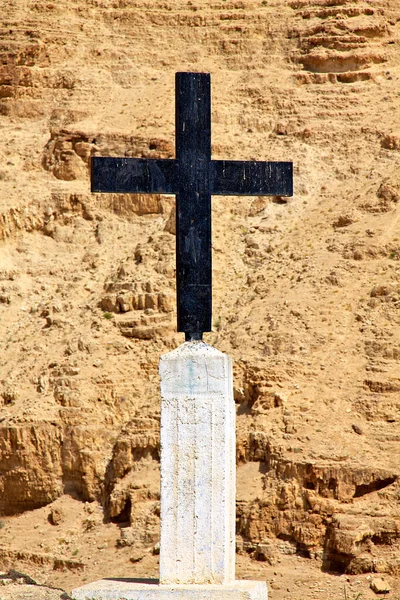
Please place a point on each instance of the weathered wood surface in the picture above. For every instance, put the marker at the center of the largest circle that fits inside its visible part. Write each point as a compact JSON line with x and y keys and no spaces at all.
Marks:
{"x":193,"y":177}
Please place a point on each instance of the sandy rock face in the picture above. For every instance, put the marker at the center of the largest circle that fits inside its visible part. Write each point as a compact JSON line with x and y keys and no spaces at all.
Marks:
{"x":306,"y":289}
{"x":31,"y":466}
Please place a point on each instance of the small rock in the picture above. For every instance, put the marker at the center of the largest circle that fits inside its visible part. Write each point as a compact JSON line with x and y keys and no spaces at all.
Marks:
{"x":380,"y":290}
{"x":90,"y":523}
{"x":379,"y":586}
{"x":357,"y":429}
{"x":137,"y":556}
{"x":90,"y":507}
{"x":265,"y":553}
{"x":281,"y":129}
{"x":156,"y":549}
{"x":274,"y":586}
{"x":128,"y":537}
{"x":55,"y":516}
{"x":344,"y":220}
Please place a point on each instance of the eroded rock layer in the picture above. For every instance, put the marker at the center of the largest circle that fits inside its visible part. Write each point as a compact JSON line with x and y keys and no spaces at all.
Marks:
{"x":306,"y":289}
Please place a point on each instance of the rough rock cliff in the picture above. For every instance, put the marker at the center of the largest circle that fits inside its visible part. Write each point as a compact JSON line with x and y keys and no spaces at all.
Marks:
{"x":306,"y":289}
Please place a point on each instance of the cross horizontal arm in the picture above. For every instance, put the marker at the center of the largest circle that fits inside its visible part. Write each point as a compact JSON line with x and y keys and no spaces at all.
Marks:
{"x":133,"y":175}
{"x":251,"y":178}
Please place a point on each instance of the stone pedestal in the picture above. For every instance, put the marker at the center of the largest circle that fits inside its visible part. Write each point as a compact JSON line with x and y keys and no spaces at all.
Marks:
{"x":197,"y":541}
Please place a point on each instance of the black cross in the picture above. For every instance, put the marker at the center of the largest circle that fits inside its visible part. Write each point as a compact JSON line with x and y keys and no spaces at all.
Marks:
{"x":193,"y":177}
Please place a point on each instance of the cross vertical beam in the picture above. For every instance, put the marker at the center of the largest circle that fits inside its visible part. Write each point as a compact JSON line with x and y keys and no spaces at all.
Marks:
{"x":193,"y":203}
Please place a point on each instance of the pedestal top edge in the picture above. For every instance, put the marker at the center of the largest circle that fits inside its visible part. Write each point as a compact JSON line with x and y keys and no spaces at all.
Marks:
{"x":193,"y":349}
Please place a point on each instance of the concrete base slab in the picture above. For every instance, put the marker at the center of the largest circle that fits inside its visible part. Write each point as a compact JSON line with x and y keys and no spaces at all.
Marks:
{"x":150,"y":589}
